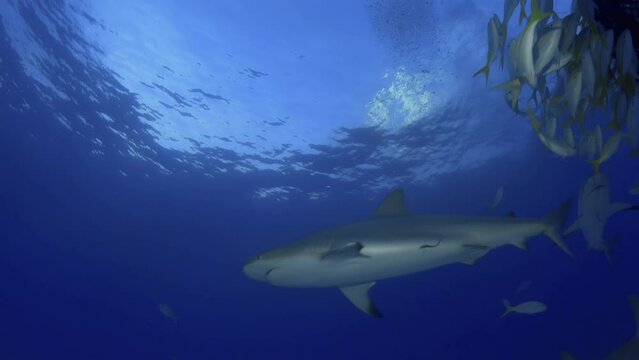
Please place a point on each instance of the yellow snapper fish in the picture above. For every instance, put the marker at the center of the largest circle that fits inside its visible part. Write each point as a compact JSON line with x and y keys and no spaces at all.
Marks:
{"x":524,"y":46}
{"x":573,"y":90}
{"x":626,"y":62}
{"x":546,"y":48}
{"x":569,"y":26}
{"x":609,"y":149}
{"x":509,"y":9}
{"x":496,"y":41}
{"x":588,"y":73}
{"x":562,"y":148}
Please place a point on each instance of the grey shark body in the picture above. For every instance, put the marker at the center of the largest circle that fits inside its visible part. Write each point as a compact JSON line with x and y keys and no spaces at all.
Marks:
{"x":393,"y":243}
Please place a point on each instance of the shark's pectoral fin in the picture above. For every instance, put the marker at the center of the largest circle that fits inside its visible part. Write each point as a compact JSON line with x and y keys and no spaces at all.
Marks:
{"x":393,"y":205}
{"x":358,"y":295}
{"x":478,"y":251}
{"x":616,"y":207}
{"x":574,"y":227}
{"x":346,"y":252}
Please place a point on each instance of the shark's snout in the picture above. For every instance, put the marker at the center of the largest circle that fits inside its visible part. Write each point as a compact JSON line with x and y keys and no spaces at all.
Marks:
{"x":255,"y":269}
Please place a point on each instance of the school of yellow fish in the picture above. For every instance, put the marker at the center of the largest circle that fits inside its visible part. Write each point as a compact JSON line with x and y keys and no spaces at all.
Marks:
{"x":570,"y":73}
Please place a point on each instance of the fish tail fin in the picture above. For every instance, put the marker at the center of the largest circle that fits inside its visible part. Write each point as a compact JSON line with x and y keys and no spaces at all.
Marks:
{"x":536,"y":124}
{"x":508,"y":307}
{"x":485,"y":70}
{"x":555,"y":222}
{"x":522,"y":14}
{"x":536,"y":13}
{"x":596,"y":164}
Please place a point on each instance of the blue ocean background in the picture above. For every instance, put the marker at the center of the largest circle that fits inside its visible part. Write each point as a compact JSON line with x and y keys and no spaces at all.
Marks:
{"x":149,"y":148}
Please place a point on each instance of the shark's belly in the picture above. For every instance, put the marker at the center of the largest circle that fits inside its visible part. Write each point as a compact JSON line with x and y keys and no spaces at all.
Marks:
{"x":374,"y":264}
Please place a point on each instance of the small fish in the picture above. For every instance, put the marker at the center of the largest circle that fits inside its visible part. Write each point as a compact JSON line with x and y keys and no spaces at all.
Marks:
{"x":512,"y":91}
{"x":498,"y":197}
{"x":525,"y":65}
{"x":558,"y":147}
{"x":625,"y":54}
{"x":573,"y":90}
{"x":528,"y":308}
{"x":620,"y":112}
{"x":589,"y":73}
{"x":609,"y":148}
{"x":496,"y":41}
{"x":546,"y":49}
{"x":569,"y":26}
{"x":509,"y":9}
{"x":168,"y":312}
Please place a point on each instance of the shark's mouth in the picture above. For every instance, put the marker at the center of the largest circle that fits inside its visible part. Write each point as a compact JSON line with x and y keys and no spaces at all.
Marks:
{"x":268,"y":272}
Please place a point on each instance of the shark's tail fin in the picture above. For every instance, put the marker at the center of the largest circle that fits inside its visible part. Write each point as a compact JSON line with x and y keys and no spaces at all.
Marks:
{"x":555,"y":222}
{"x":508,"y":307}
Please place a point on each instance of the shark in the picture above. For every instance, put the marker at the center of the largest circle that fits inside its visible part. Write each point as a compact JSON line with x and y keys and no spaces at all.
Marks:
{"x":595,"y":208}
{"x":392,"y":243}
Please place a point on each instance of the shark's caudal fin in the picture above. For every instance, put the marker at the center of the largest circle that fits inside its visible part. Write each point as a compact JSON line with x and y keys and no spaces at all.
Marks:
{"x":358,"y":295}
{"x":508,"y":307}
{"x":555,"y":221}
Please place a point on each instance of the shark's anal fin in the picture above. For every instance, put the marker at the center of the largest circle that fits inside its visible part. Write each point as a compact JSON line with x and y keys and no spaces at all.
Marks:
{"x":393,"y":205}
{"x":346,"y":252}
{"x":358,"y":295}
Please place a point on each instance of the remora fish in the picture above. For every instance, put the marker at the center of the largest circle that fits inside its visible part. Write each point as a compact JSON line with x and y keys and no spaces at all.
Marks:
{"x":594,"y":210}
{"x":529,"y":308}
{"x":393,"y":243}
{"x":629,"y":350}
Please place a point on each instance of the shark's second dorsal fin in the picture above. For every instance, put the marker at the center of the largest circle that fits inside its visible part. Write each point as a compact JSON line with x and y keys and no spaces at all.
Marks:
{"x":358,"y":295}
{"x":393,"y":205}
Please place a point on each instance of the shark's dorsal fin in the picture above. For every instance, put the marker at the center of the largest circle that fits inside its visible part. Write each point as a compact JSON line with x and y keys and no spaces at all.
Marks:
{"x":358,"y":295}
{"x":345,"y":252}
{"x":634,"y":304}
{"x":393,"y":205}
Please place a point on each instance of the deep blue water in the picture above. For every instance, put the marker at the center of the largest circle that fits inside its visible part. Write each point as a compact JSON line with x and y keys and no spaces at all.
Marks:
{"x":92,"y":241}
